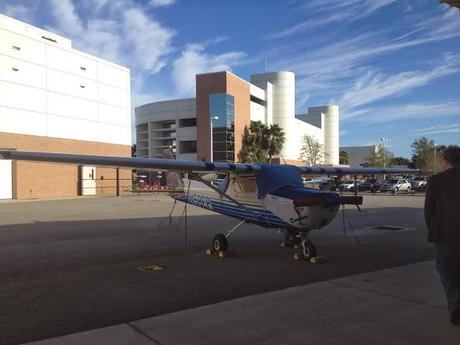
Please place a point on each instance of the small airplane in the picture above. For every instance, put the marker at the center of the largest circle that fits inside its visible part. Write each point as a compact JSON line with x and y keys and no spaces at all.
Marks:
{"x":271,"y":196}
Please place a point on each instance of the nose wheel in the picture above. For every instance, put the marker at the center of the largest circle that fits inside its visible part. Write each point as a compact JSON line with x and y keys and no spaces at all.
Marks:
{"x":307,"y":250}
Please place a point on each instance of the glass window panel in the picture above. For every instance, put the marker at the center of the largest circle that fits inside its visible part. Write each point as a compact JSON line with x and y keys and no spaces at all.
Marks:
{"x":219,"y":146}
{"x":221,"y":136}
{"x":231,"y":156}
{"x":221,"y":112}
{"x":219,"y":156}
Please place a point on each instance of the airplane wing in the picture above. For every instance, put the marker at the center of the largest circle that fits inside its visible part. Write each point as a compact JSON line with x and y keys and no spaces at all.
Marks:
{"x":130,"y":162}
{"x":354,"y":171}
{"x":183,"y":165}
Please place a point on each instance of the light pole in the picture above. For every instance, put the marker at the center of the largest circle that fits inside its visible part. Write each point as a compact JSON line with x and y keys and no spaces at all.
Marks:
{"x":384,"y":140}
{"x":434,"y":158}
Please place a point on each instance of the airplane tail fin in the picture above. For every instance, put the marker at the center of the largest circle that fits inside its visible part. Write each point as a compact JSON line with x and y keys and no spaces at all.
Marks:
{"x":174,"y":180}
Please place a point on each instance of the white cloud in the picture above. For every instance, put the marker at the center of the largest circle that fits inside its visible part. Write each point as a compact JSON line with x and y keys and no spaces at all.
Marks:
{"x":326,"y":13}
{"x":21,"y":12}
{"x":438,"y":129}
{"x":194,"y":60}
{"x":123,"y":33}
{"x":146,"y":39}
{"x":327,"y":66}
{"x":376,"y":86}
{"x":406,"y":112}
{"x":67,"y":21}
{"x":159,"y":3}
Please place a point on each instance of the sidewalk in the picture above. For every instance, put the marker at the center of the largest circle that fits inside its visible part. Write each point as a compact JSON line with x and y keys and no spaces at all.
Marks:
{"x":403,"y":305}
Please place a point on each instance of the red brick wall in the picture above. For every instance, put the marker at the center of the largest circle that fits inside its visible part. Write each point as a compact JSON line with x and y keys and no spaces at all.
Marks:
{"x":206,"y":84}
{"x":220,"y":82}
{"x":239,"y":89}
{"x":47,"y":180}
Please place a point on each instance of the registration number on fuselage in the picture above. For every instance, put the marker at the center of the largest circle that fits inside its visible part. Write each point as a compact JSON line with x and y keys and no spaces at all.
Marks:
{"x":200,"y":201}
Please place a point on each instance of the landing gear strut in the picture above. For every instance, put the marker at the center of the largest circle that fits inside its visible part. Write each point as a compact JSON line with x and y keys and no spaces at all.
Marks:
{"x":291,"y":239}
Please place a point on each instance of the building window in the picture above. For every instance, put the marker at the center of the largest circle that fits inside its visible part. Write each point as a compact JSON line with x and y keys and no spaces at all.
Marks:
{"x":222,"y":117}
{"x":187,"y":123}
{"x":187,"y":146}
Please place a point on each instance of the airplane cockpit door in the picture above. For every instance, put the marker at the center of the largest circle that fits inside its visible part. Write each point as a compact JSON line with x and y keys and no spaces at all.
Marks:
{"x":88,"y":180}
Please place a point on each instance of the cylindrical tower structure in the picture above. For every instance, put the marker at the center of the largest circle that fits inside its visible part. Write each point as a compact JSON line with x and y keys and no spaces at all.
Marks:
{"x":331,"y":134}
{"x":283,"y":104}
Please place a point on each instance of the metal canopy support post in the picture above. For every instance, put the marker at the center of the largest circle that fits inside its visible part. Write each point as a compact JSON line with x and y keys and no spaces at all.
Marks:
{"x":185,"y":225}
{"x":356,"y":194}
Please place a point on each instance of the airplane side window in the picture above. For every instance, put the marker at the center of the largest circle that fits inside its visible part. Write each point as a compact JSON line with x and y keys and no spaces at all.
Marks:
{"x":247,"y":185}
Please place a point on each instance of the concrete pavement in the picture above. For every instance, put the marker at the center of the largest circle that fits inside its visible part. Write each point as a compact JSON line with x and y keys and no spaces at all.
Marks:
{"x":403,"y":305}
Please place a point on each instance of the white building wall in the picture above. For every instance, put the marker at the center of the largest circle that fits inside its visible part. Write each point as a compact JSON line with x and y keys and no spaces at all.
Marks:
{"x":6,"y":179}
{"x":257,"y":92}
{"x":297,"y":131}
{"x":69,"y":94}
{"x":257,"y":112}
{"x":269,"y":106}
{"x":330,"y":127}
{"x":283,"y":96}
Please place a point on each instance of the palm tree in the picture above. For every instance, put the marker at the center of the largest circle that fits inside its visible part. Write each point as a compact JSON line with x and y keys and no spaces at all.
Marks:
{"x":275,"y":141}
{"x":253,"y":143}
{"x":261,"y":143}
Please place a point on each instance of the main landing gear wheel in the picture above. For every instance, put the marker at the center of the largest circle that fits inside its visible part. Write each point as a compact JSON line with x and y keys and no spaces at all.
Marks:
{"x":307,"y":250}
{"x":219,"y":244}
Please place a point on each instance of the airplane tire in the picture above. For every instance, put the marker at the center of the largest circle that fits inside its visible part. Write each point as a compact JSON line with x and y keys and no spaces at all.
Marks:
{"x":308,"y":250}
{"x":219,"y":244}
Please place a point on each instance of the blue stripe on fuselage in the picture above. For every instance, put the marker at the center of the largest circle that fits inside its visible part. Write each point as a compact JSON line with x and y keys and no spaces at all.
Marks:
{"x":254,"y":213}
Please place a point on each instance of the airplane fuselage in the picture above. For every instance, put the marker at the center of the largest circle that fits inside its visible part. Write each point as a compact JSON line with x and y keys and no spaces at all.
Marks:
{"x":300,"y":209}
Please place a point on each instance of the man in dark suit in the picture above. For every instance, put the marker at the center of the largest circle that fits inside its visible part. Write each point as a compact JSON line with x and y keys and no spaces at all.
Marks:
{"x":442,"y":217}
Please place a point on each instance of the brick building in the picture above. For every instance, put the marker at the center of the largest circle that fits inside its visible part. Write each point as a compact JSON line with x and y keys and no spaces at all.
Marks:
{"x":57,"y":99}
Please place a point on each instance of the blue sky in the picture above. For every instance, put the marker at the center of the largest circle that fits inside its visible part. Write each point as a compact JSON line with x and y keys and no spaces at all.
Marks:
{"x":392,"y":66}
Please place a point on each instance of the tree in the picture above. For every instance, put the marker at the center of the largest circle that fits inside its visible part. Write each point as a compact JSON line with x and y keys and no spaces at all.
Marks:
{"x":133,"y":150}
{"x":396,"y":161}
{"x":426,"y":154}
{"x":312,"y":151}
{"x":379,"y":158}
{"x":343,"y":157}
{"x":276,"y":139}
{"x":261,"y":143}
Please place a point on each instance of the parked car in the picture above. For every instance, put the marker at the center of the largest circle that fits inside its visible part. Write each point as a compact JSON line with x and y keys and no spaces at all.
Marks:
{"x":370,"y":184}
{"x":419,"y":182}
{"x":396,"y":185}
{"x":328,"y":185}
{"x":349,"y":185}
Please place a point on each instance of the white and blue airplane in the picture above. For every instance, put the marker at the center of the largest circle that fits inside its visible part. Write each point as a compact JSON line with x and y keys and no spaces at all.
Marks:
{"x":271,"y":196}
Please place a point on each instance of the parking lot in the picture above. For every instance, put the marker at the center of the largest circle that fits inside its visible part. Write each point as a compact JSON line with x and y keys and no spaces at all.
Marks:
{"x":78,"y":264}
